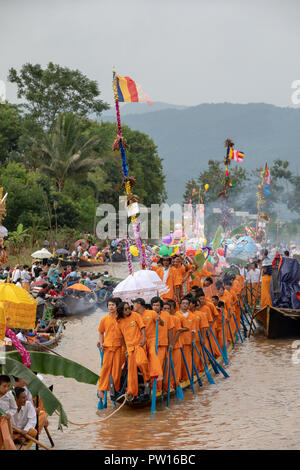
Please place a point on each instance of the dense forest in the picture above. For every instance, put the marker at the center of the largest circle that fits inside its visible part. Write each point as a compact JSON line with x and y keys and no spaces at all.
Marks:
{"x":56,"y":163}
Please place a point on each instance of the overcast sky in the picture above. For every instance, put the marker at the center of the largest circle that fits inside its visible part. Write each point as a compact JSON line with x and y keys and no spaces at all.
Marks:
{"x":181,"y":51}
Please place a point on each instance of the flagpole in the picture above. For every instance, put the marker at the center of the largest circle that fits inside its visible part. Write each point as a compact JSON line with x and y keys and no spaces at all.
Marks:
{"x":120,"y":142}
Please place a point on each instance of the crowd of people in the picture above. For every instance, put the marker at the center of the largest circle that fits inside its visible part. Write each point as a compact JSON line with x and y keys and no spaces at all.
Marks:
{"x":25,"y":417}
{"x":190,"y":318}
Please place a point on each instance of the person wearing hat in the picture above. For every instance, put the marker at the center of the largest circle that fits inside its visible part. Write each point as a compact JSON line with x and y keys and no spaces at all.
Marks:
{"x":266,"y":277}
{"x":170,"y":276}
{"x":150,"y":317}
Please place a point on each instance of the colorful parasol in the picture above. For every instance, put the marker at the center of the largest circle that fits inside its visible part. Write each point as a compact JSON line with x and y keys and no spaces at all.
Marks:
{"x":20,"y":306}
{"x":81,"y":242}
{"x":80,"y":287}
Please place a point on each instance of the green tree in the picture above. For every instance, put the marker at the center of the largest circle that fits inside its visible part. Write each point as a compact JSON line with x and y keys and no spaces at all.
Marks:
{"x":214,"y":176}
{"x":66,"y":153}
{"x":10,"y":130}
{"x":54,"y":90}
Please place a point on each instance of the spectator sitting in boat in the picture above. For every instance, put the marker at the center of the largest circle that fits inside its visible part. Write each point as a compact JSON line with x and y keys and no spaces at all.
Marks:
{"x":86,"y":254}
{"x":91,"y":285}
{"x":19,"y":382}
{"x":24,"y":418}
{"x":44,"y":326}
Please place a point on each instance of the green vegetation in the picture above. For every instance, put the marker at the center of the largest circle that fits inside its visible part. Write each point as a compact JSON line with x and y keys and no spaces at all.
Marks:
{"x":57,"y":164}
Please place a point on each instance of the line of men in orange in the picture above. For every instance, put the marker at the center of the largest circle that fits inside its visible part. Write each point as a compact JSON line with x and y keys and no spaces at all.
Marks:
{"x":128,"y":332}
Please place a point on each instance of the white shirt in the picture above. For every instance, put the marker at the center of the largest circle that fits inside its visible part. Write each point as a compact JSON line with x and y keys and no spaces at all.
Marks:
{"x":16,"y":274}
{"x":253,"y":276}
{"x":25,"y":419}
{"x":21,"y":337}
{"x":166,"y":272}
{"x":25,"y":276}
{"x":8,"y":403}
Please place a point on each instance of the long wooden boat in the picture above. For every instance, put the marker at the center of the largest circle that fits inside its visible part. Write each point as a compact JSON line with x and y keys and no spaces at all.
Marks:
{"x":70,"y":305}
{"x":144,"y":400}
{"x":41,"y":346}
{"x":279,"y":322}
{"x":84,"y":263}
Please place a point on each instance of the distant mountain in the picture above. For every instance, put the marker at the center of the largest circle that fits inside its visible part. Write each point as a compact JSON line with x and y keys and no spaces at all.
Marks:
{"x":187,"y":138}
{"x":140,"y":108}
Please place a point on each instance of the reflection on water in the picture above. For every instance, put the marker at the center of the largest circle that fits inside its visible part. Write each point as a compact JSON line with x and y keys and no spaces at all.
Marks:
{"x":256,"y":408}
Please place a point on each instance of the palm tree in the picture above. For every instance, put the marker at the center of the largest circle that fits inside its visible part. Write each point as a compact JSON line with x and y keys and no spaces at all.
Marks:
{"x":66,"y":151}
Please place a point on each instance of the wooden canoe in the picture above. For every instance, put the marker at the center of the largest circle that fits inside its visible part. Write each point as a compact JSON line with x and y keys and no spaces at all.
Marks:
{"x":279,"y":322}
{"x":39,"y":346}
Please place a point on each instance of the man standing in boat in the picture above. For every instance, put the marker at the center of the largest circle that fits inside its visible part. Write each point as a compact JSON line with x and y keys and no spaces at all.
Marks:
{"x":111,"y":346}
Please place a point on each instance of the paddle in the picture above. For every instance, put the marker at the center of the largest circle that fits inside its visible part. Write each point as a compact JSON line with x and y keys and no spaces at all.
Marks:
{"x":233,"y":343}
{"x":194,"y":367}
{"x":244,"y":326}
{"x":30,"y":438}
{"x":163,"y":380}
{"x":169,"y":382}
{"x":216,"y":371}
{"x":224,"y":337}
{"x":187,"y":369}
{"x":219,"y":347}
{"x":153,"y":403}
{"x":102,"y":404}
{"x":179,"y":392}
{"x":236,"y":324}
{"x":212,"y":360}
{"x":207,"y":373}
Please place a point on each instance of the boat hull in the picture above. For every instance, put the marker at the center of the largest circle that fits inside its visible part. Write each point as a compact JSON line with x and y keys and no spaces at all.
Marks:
{"x":279,"y":323}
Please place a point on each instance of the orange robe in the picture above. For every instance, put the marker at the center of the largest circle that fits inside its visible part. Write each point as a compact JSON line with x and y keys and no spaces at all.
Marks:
{"x":163,"y":342}
{"x":113,"y":357}
{"x":130,"y":327}
{"x":176,"y":353}
{"x":173,"y":280}
{"x":265,"y":291}
{"x":189,"y":322}
{"x":149,"y":318}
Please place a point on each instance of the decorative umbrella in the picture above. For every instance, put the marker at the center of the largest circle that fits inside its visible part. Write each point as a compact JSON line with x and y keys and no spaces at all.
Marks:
{"x":144,"y":283}
{"x":42,"y":254}
{"x":20,"y":306}
{"x":80,"y":287}
{"x":62,"y":251}
{"x":93,"y":250}
{"x":81,"y":242}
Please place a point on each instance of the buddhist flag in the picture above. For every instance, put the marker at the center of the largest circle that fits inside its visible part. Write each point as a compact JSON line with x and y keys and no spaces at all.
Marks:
{"x":235,"y":155}
{"x":130,"y":91}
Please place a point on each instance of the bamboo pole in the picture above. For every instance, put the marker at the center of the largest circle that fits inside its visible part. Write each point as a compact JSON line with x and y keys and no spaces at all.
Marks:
{"x":30,"y":438}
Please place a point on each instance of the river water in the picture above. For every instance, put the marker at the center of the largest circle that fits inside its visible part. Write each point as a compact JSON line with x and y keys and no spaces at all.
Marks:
{"x":257,"y":407}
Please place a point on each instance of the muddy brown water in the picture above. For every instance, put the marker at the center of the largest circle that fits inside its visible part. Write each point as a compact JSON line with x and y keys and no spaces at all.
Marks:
{"x":258,"y":407}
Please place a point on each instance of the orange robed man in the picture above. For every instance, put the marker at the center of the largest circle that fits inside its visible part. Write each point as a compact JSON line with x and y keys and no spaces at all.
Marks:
{"x":111,"y":345}
{"x":132,"y":328}
{"x":170,"y":276}
{"x":165,"y":335}
{"x":189,"y":321}
{"x":150,"y":317}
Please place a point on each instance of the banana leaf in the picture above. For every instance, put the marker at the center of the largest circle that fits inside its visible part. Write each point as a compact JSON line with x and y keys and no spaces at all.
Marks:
{"x":237,"y":230}
{"x":45,"y":363}
{"x":36,"y":387}
{"x":217,"y":238}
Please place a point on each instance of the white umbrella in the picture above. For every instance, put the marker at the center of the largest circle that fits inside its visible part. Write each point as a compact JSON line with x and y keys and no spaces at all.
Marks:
{"x":144,"y":283}
{"x":42,"y":254}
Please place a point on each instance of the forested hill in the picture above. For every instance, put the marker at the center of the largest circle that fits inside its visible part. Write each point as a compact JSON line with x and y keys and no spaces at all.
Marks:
{"x":188,"y":137}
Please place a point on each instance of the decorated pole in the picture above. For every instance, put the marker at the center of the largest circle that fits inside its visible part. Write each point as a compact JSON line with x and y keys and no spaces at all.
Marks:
{"x":129,"y":183}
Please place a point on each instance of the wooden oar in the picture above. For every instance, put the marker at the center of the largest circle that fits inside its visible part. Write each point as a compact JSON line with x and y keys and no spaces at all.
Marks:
{"x":216,"y":370}
{"x":169,"y":382}
{"x":187,"y":369}
{"x":179,"y":392}
{"x":102,"y":404}
{"x":224,"y":337}
{"x":49,"y":435}
{"x":153,"y":403}
{"x":233,"y":342}
{"x":213,"y":360}
{"x":207,"y":373}
{"x":194,"y":367}
{"x":30,"y":438}
{"x":236,"y":324}
{"x":219,"y":347}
